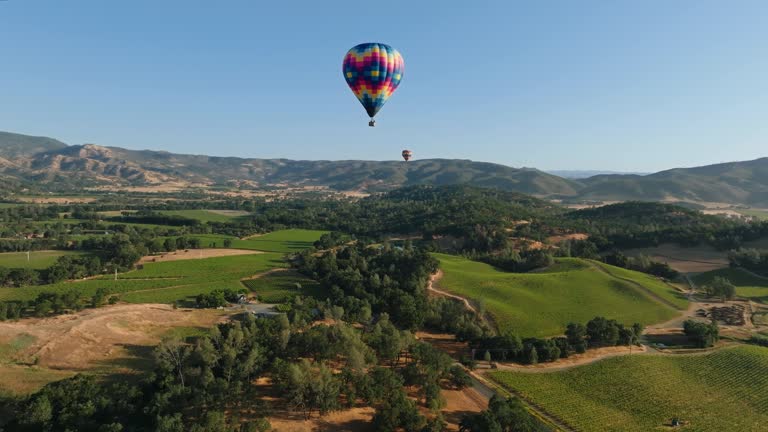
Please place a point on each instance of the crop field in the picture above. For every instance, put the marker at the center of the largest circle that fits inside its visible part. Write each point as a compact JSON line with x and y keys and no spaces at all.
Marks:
{"x":543,"y":303}
{"x":206,"y":215}
{"x":747,"y":285}
{"x":725,"y":390}
{"x":285,"y":241}
{"x":653,"y":284}
{"x":279,"y":287}
{"x":164,"y":282}
{"x":37,"y":259}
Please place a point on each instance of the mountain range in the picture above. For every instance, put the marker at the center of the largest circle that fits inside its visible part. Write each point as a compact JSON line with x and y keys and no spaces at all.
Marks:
{"x":46,"y":164}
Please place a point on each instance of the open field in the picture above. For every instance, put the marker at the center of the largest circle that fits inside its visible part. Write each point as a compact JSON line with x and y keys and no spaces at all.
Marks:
{"x":165,"y":282}
{"x":649,"y":282}
{"x":37,"y":259}
{"x":169,"y":281}
{"x":761,"y":214}
{"x":61,"y":199}
{"x":286,"y":241}
{"x":684,"y":259}
{"x":543,"y":303}
{"x":206,"y":215}
{"x":280,"y":286}
{"x":747,"y":284}
{"x":190,"y":254}
{"x":111,"y":339}
{"x":724,"y":390}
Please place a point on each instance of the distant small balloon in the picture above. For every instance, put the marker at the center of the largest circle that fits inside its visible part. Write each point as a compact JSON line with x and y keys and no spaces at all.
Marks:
{"x":407,"y":155}
{"x":373,"y":71}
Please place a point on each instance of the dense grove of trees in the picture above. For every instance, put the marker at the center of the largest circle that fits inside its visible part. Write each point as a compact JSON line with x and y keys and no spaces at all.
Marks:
{"x":720,"y":287}
{"x":365,"y":279}
{"x":47,"y":303}
{"x":599,"y":332}
{"x":702,"y":334}
{"x":755,"y":260}
{"x":218,"y":297}
{"x":316,"y":369}
{"x":641,"y":263}
{"x":502,"y":415}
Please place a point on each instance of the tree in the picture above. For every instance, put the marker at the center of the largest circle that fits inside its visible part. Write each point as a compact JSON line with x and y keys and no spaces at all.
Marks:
{"x":532,"y":356}
{"x":227,"y":243}
{"x":703,"y":335}
{"x":576,"y":334}
{"x":721,"y":287}
{"x":459,"y":378}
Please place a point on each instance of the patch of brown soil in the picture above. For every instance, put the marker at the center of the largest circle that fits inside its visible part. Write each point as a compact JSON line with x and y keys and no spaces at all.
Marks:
{"x":96,"y":337}
{"x":460,"y":403}
{"x":349,"y":420}
{"x":56,"y":200}
{"x":190,"y":254}
{"x":563,"y":237}
{"x":445,"y":342}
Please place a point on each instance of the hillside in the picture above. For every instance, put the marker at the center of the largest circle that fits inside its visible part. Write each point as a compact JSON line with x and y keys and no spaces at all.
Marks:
{"x":542,"y":303}
{"x":51,"y":165}
{"x":733,"y":182}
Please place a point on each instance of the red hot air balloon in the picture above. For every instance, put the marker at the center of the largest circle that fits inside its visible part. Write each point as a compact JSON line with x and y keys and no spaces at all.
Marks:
{"x":407,"y":154}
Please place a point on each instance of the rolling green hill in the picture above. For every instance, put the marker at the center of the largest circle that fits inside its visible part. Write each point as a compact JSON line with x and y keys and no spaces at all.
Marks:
{"x":726,"y":390}
{"x":543,"y":303}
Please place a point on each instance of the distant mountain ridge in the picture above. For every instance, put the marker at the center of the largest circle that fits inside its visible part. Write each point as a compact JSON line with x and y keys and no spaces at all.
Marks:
{"x":47,"y":164}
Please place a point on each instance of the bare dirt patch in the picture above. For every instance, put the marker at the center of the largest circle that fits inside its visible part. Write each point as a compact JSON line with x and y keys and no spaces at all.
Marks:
{"x":563,"y":237}
{"x":461,"y":402}
{"x":445,"y":342}
{"x":190,"y":254}
{"x":56,"y":200}
{"x":94,"y":337}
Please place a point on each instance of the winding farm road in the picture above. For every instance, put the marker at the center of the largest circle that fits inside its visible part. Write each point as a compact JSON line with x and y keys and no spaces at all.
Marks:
{"x":431,"y":287}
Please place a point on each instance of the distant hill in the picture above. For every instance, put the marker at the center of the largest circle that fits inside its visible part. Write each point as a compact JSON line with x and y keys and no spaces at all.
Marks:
{"x":733,"y":182}
{"x":49,"y":162}
{"x":582,"y":174}
{"x":51,"y":165}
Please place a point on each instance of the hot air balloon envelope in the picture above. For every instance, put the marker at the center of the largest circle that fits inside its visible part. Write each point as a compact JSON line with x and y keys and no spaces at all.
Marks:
{"x":407,"y":154}
{"x":373,"y":71}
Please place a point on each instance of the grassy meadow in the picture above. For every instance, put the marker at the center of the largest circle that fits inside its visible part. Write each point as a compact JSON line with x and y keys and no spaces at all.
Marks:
{"x":725,"y":390}
{"x":285,"y":241}
{"x":37,"y":259}
{"x":206,"y":215}
{"x":279,"y":287}
{"x":542,"y":303}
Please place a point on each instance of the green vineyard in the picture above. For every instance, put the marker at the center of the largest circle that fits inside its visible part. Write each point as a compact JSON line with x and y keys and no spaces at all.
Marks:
{"x":726,"y":390}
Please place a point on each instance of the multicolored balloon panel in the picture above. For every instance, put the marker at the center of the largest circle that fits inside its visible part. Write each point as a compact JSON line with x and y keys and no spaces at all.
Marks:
{"x":373,"y":71}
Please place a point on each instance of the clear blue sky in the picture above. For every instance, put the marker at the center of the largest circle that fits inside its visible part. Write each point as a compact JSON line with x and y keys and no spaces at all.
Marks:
{"x":620,"y":85}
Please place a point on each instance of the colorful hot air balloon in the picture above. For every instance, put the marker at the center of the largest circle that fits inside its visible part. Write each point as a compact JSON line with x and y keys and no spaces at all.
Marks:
{"x":373,"y":71}
{"x":407,"y":154}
